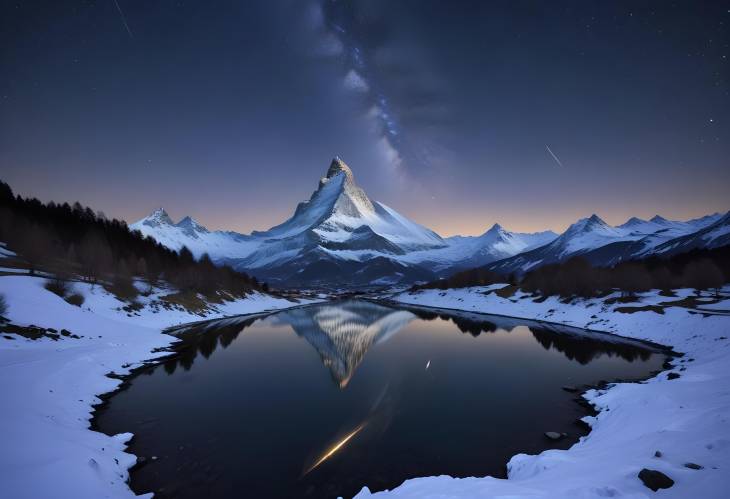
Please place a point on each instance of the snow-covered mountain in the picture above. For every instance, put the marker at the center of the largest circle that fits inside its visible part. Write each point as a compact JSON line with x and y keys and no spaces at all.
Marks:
{"x":187,"y":232}
{"x":602,"y":244}
{"x":343,"y":334}
{"x":714,"y":235}
{"x":339,"y":208}
{"x":339,"y":237}
{"x":463,"y":252}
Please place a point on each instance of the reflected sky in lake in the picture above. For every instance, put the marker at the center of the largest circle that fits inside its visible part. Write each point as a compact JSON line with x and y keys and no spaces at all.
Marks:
{"x":320,"y":401}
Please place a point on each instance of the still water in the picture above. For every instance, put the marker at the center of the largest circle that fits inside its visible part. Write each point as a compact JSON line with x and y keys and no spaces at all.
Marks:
{"x":320,"y":401}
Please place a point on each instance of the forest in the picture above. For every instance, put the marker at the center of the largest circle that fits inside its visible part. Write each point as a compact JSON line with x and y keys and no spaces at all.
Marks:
{"x":699,"y":269}
{"x":73,"y":241}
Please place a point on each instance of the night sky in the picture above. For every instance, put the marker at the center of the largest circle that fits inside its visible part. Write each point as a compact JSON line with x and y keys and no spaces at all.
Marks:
{"x":456,"y":114}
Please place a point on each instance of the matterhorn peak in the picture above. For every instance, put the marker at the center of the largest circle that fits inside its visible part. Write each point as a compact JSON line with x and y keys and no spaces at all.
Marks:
{"x":338,"y":166}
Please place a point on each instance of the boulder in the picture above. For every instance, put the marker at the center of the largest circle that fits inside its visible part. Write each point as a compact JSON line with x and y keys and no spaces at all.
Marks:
{"x":655,"y":480}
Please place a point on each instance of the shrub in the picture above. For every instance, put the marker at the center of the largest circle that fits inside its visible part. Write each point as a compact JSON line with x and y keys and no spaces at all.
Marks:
{"x":59,"y":286}
{"x":76,"y":299}
{"x":3,"y":305}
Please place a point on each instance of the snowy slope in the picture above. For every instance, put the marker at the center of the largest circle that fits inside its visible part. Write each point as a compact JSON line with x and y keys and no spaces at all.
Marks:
{"x":602,"y":244}
{"x":712,"y":236}
{"x":473,"y":251}
{"x":48,"y":388}
{"x":159,"y":226}
{"x":339,"y":206}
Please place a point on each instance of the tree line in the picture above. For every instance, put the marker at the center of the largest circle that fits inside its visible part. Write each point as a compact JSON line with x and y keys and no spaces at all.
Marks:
{"x":698,"y":269}
{"x":74,"y":240}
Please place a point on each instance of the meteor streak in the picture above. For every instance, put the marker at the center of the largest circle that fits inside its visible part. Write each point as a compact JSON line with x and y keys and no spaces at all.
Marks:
{"x":553,"y":155}
{"x":335,"y":448}
{"x":124,"y":19}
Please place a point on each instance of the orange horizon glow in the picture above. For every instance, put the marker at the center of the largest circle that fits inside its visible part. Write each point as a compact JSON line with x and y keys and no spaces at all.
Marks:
{"x":446,"y":226}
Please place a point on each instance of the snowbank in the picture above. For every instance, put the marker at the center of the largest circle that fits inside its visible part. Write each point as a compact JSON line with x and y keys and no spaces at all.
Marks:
{"x":48,"y":387}
{"x":686,"y":419}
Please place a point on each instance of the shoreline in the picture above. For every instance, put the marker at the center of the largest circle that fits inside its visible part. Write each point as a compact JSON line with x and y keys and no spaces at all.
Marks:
{"x":666,"y":349}
{"x":634,"y":420}
{"x":586,"y":408}
{"x":52,"y":388}
{"x":53,"y":446}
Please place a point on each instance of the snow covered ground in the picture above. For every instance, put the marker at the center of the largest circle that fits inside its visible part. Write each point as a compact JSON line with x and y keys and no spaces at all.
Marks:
{"x":48,"y":387}
{"x":662,"y":424}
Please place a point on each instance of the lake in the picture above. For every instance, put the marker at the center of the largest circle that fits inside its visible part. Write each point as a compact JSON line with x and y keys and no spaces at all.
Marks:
{"x":322,"y":400}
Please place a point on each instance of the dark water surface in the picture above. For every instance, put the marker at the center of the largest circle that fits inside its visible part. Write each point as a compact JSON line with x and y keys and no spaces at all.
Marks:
{"x":320,"y":401}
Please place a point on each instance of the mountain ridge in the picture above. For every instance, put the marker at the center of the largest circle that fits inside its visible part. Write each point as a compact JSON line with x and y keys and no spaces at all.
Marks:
{"x":339,"y":236}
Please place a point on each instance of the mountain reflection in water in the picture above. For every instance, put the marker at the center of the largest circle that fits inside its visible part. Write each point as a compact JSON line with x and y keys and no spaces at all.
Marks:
{"x":321,"y":400}
{"x":343,"y":332}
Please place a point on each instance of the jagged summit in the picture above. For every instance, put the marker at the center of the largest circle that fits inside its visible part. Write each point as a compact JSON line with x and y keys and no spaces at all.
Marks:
{"x":590,"y":224}
{"x":340,"y":211}
{"x":157,"y":218}
{"x":339,"y":166}
{"x":595,"y":219}
{"x":191,"y":226}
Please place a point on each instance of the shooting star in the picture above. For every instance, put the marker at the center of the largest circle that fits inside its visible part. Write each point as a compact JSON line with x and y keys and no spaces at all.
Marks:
{"x":335,"y":448}
{"x":124,"y":19}
{"x":428,"y":364}
{"x":553,"y":155}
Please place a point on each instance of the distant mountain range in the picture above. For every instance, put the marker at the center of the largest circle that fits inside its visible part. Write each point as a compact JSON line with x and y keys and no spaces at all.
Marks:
{"x":603,"y":245}
{"x":340,"y":238}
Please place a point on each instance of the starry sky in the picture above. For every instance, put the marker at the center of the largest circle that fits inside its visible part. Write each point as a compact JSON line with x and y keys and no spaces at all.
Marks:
{"x":458,"y":114}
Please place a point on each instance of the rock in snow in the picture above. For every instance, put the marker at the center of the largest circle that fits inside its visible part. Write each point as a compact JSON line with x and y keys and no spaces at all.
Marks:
{"x":655,"y":480}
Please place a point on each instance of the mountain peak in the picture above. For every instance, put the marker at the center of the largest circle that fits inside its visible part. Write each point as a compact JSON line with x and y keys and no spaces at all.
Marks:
{"x":633,"y":221}
{"x":658,"y":219}
{"x":594,"y":222}
{"x":495,"y":229}
{"x":158,"y":217}
{"x":338,"y":166}
{"x":340,"y":211}
{"x":189,"y":224}
{"x":595,"y":219}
